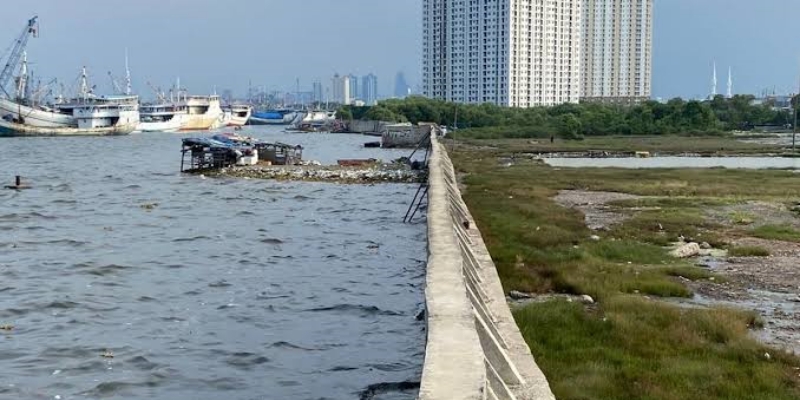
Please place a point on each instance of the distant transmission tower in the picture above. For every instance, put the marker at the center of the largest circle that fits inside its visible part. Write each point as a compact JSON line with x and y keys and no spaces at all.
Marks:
{"x":714,"y":82}
{"x":730,"y":83}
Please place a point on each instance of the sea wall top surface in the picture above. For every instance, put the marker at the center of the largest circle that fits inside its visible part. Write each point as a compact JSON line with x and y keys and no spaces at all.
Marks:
{"x":474,"y":349}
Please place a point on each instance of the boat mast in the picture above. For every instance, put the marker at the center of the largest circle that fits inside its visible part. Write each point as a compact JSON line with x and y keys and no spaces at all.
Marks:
{"x":84,"y":84}
{"x":128,"y":89}
{"x":22,"y":79}
{"x":31,"y":29}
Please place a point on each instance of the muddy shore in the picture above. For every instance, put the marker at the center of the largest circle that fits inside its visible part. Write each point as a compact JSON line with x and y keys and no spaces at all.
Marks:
{"x":768,"y":285}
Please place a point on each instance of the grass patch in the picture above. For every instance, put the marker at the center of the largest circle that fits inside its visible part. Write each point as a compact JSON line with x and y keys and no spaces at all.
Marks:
{"x":690,"y":272}
{"x":742,"y":218}
{"x":665,"y":226}
{"x":748,"y":251}
{"x":640,"y":349}
{"x":674,"y":202}
{"x":785,"y":233}
{"x":657,"y":144}
{"x":625,"y":347}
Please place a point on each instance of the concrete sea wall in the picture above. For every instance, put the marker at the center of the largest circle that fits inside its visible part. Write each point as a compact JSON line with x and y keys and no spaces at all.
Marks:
{"x":474,"y":349}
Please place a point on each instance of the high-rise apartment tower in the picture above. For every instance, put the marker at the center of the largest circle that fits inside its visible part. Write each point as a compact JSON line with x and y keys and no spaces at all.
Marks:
{"x":617,"y":50}
{"x":517,"y":53}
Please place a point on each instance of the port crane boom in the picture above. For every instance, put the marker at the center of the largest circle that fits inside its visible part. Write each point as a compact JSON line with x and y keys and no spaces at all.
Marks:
{"x":31,"y":29}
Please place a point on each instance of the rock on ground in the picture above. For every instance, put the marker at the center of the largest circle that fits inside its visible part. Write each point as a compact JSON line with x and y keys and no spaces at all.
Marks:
{"x":686,"y":250}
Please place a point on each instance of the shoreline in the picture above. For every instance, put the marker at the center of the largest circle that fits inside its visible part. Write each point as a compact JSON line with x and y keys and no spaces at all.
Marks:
{"x":366,"y":174}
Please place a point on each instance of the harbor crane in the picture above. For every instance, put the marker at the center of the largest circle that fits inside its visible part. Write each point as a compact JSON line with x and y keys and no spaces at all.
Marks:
{"x":17,"y":50}
{"x":162,"y":98}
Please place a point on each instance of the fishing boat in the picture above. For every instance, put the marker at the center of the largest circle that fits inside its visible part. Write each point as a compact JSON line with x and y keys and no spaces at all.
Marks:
{"x":314,"y":121}
{"x":166,"y":117}
{"x":238,"y":114}
{"x":273,"y":117}
{"x":9,"y":128}
{"x":25,"y":114}
{"x":203,"y":113}
{"x":93,"y":117}
{"x":15,"y":104}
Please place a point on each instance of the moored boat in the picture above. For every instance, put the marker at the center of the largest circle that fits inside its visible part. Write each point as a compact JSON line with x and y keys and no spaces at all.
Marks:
{"x":238,"y":114}
{"x":11,"y":129}
{"x":273,"y":117}
{"x":87,"y":114}
{"x":203,"y":113}
{"x":16,"y":105}
{"x":161,"y":118}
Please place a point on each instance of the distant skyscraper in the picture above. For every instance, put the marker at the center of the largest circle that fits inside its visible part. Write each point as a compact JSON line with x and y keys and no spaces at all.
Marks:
{"x":617,"y":50}
{"x":341,"y":89}
{"x":316,"y":90}
{"x":518,"y":53}
{"x":355,"y":87}
{"x":369,"y":89}
{"x":400,"y":85}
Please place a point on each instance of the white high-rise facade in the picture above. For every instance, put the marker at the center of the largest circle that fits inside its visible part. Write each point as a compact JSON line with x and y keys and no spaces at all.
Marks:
{"x":341,"y":89}
{"x":519,"y":53}
{"x":617,"y":50}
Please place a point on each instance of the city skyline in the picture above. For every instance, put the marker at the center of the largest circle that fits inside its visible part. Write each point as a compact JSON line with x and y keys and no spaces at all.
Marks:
{"x":689,"y":35}
{"x":208,"y":46}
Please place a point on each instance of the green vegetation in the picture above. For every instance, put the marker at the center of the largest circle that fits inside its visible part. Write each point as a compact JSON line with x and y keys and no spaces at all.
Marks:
{"x":656,"y":144}
{"x":574,"y":121}
{"x":627,"y":346}
{"x":742,"y":218}
{"x":639,"y":349}
{"x":785,"y":233}
{"x":748,"y":251}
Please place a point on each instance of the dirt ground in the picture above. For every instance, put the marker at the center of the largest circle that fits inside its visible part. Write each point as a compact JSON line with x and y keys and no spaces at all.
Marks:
{"x":768,"y":285}
{"x":594,"y":206}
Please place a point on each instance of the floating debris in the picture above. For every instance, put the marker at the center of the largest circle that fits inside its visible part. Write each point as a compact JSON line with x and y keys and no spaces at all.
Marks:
{"x":149,"y":206}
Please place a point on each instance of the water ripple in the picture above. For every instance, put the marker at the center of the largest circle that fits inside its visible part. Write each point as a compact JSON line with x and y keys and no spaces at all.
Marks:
{"x":225,"y":289}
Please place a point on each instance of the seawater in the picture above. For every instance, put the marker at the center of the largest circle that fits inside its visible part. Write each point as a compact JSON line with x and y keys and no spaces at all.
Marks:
{"x":123,"y":278}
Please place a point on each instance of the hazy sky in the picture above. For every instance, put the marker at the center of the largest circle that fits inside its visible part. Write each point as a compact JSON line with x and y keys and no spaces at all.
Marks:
{"x":221,"y":42}
{"x":757,"y":38}
{"x":272,"y":42}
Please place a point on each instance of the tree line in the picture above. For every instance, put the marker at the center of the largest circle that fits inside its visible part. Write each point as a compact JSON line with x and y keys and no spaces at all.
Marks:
{"x":676,"y":116}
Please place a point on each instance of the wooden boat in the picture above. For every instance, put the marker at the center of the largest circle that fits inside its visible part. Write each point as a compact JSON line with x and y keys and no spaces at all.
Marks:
{"x":11,"y":129}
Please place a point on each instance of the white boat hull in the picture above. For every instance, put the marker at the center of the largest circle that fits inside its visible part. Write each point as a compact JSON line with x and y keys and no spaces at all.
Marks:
{"x":212,"y":118}
{"x":238,"y":121}
{"x":238,"y":115}
{"x":173,"y":125}
{"x":34,"y":116}
{"x":10,"y":129}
